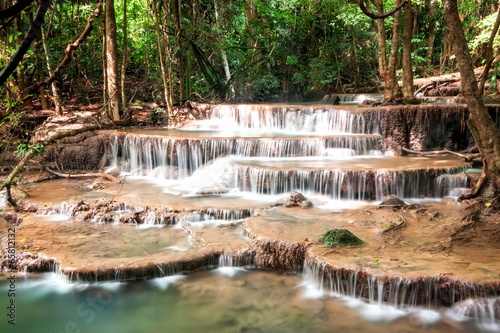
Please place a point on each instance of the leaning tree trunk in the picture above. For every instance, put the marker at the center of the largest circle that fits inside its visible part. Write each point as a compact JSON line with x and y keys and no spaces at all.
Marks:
{"x":482,"y":126}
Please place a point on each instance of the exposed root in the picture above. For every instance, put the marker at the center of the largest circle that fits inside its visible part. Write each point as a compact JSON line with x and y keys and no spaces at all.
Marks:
{"x":395,"y":227}
{"x":472,"y":219}
{"x":477,"y":187}
{"x":84,"y":175}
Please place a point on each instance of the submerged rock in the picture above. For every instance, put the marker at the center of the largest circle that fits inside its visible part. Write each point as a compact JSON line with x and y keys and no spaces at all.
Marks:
{"x":340,"y":238}
{"x":486,"y":308}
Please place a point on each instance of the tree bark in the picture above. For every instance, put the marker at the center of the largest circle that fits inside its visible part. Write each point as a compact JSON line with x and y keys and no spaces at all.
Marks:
{"x":225,"y":62}
{"x":407,"y":48}
{"x":112,"y":62}
{"x":124,"y":57}
{"x":180,"y":50}
{"x":53,"y":86}
{"x":164,"y":55}
{"x":393,"y":92}
{"x":431,"y":36}
{"x":482,"y":126}
{"x":382,"y":45}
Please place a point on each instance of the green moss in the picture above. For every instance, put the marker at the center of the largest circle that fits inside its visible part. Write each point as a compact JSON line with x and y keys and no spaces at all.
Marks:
{"x":340,"y":237}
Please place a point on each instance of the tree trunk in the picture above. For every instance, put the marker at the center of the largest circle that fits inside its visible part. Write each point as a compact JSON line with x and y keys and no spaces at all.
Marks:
{"x":53,"y":86}
{"x":180,"y":50}
{"x":124,"y":57}
{"x":164,"y":55}
{"x":407,"y":48}
{"x":26,"y":42}
{"x":225,"y":62}
{"x":393,"y":92}
{"x":382,"y":55}
{"x":431,"y":33}
{"x":112,"y":62}
{"x":484,"y":131}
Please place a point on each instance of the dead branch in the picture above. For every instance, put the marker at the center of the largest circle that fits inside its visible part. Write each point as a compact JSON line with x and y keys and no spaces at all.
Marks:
{"x":468,"y":158}
{"x":83,"y":175}
{"x":437,"y":83}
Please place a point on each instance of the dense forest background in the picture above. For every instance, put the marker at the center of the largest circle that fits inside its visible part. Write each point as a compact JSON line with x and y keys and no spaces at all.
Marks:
{"x":170,"y":51}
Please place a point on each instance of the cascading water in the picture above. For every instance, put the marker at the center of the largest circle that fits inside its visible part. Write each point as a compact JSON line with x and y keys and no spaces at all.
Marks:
{"x":400,"y":296}
{"x":270,"y":150}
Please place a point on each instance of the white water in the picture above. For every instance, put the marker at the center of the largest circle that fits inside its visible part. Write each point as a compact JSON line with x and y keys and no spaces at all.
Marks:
{"x":271,"y":150}
{"x":401,"y":300}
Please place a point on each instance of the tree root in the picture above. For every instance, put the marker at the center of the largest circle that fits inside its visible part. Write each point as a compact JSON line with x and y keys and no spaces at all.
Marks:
{"x":395,"y":227}
{"x":83,"y":175}
{"x":475,"y":190}
{"x":471,"y":219}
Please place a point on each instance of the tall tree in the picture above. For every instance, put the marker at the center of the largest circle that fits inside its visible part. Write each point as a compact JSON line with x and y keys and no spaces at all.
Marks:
{"x":176,"y":9}
{"x":483,"y":128}
{"x":111,"y":59}
{"x":124,"y":56}
{"x":431,"y":32}
{"x":387,"y":68}
{"x":407,"y":50}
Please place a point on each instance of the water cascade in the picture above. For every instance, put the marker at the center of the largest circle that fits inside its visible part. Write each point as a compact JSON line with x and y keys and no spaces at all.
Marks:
{"x":274,"y":150}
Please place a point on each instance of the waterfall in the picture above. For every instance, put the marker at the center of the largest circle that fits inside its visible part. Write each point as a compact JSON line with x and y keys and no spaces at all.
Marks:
{"x":289,"y":119}
{"x":478,"y":301}
{"x":451,"y":184}
{"x":272,"y":150}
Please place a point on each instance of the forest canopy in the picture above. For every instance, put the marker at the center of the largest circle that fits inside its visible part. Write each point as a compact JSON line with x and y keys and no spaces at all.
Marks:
{"x":240,"y":50}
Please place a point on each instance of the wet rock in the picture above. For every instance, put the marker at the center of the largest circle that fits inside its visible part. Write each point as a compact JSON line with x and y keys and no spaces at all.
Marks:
{"x":306,"y":204}
{"x":297,"y":199}
{"x":392,"y":202}
{"x":449,"y":200}
{"x":212,"y":191}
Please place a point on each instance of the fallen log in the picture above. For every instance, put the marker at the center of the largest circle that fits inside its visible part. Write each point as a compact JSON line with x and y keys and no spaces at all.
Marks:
{"x":83,"y":175}
{"x":468,"y":158}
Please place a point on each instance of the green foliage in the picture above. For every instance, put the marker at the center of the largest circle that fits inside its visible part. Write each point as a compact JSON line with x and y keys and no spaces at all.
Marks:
{"x":494,"y":78}
{"x":483,"y":29}
{"x":23,"y":148}
{"x":340,"y":238}
{"x":266,"y":88}
{"x":284,"y":49}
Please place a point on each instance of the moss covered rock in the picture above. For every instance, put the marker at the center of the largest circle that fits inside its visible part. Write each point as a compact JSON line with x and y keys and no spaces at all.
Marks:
{"x":340,"y":237}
